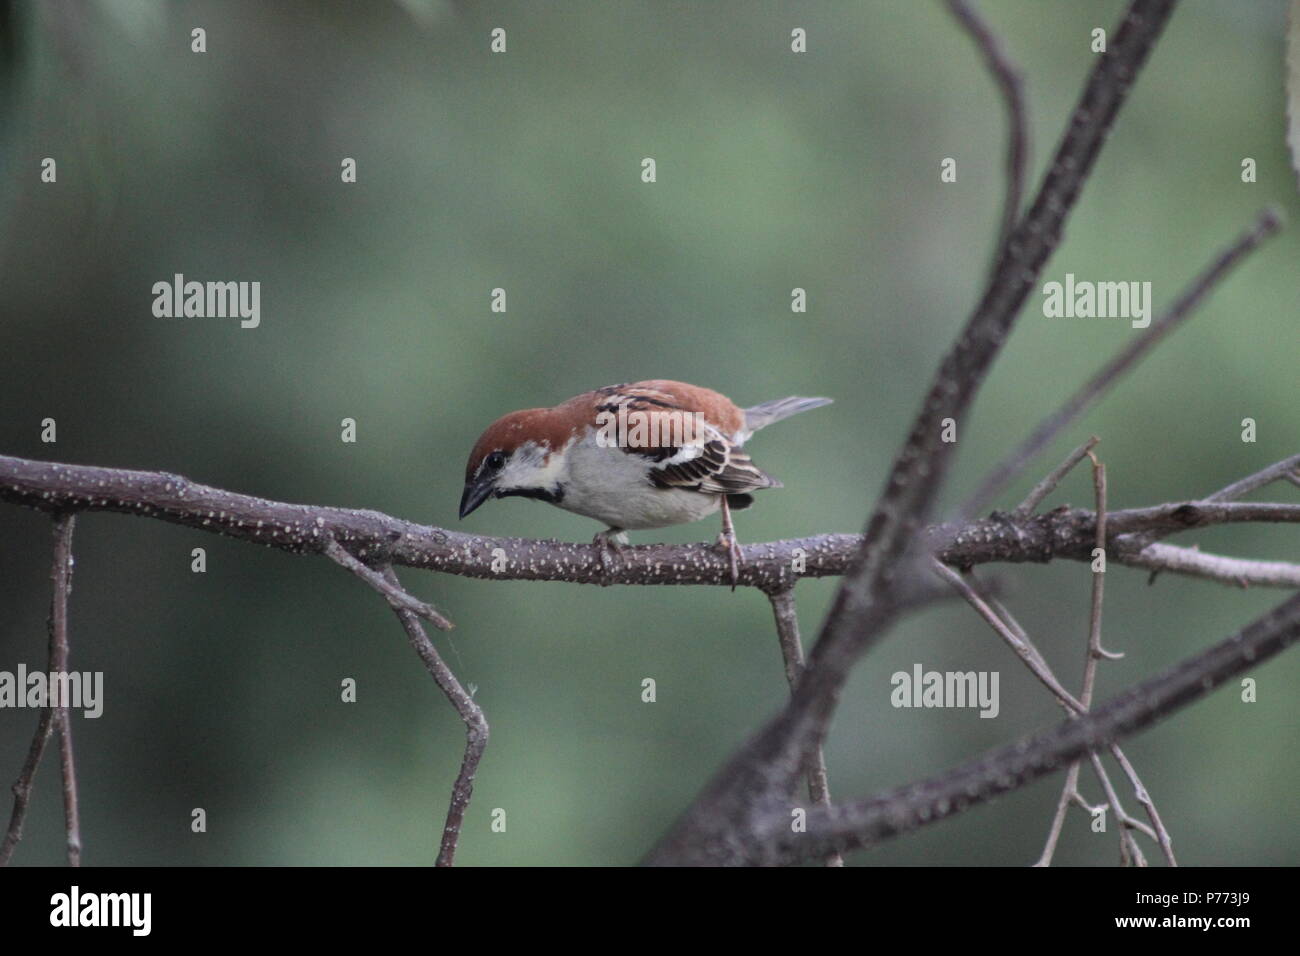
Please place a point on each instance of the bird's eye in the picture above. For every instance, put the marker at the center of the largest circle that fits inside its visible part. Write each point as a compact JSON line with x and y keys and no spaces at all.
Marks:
{"x":495,"y":461}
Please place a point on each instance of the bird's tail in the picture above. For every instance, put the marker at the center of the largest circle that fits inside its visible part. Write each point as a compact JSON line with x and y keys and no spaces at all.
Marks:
{"x":760,"y":416}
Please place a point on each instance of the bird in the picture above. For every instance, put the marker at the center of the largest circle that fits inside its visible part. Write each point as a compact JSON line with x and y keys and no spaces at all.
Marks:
{"x":634,"y":456}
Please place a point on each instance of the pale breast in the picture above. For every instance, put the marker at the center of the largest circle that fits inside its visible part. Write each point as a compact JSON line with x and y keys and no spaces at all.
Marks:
{"x":612,"y":486}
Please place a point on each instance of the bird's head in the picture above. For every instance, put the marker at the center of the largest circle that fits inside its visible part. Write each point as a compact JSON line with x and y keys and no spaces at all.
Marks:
{"x":520,"y":454}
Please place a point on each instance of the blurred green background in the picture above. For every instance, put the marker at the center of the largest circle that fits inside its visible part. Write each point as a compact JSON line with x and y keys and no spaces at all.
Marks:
{"x":522,"y":171}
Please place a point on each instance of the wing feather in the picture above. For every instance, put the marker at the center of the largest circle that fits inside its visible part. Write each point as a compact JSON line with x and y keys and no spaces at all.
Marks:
{"x":719,"y":469}
{"x":703,"y":458}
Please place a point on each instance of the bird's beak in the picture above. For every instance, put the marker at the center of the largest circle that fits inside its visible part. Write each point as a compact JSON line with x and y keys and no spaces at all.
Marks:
{"x":476,"y":492}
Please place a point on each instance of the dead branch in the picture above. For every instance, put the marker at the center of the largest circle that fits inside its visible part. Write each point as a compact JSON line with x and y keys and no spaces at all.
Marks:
{"x":721,"y":823}
{"x":787,"y":633}
{"x":374,"y":538}
{"x":476,"y":725}
{"x":52,"y":716}
{"x":1266,"y":223}
{"x":854,"y":824}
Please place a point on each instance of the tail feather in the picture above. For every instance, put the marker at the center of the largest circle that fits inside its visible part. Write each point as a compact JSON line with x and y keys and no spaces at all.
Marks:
{"x":764,"y":414}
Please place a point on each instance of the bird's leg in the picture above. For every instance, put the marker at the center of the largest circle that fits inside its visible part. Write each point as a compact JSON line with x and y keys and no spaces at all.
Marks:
{"x":727,"y":542}
{"x":610,"y":540}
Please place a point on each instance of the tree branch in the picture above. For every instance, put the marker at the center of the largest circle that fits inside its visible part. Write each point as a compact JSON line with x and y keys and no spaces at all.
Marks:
{"x":712,"y":830}
{"x":1243,"y":486}
{"x":787,"y":633}
{"x":476,"y":726}
{"x":1240,"y":572}
{"x":375,"y":538}
{"x":852,"y":825}
{"x":22,"y":787}
{"x":1054,"y":478}
{"x":398,"y":599}
{"x":408,"y":609}
{"x":1266,"y":223}
{"x":51,"y":716}
{"x":1014,"y":636}
{"x":61,"y":577}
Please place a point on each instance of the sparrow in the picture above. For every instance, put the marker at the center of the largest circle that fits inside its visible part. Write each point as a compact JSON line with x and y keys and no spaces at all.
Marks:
{"x":634,"y":456}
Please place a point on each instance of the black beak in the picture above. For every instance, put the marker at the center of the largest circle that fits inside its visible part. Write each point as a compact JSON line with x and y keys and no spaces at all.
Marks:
{"x":476,"y":492}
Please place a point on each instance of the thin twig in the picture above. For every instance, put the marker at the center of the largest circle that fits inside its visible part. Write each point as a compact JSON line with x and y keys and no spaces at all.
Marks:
{"x":1237,"y":572}
{"x":1166,"y":519}
{"x":52,"y":716}
{"x":1027,"y":653}
{"x":787,"y":633}
{"x":1130,"y":852}
{"x":61,"y":577}
{"x":1014,"y":635}
{"x":398,"y":599}
{"x":1069,"y":532}
{"x":22,"y":788}
{"x":1097,"y":653}
{"x":1277,"y":471}
{"x":1161,"y":835}
{"x":1049,"y":483}
{"x":1141,"y":542}
{"x":1010,"y":630}
{"x":1284,"y":469}
{"x":1129,"y":849}
{"x":1094,"y":648}
{"x":408,"y":610}
{"x":1266,"y":224}
{"x":1011,"y":83}
{"x":1068,"y":792}
{"x":476,"y":726}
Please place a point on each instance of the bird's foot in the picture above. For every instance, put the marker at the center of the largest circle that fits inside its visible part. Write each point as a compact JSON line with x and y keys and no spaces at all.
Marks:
{"x":728,"y":545}
{"x":609,"y":542}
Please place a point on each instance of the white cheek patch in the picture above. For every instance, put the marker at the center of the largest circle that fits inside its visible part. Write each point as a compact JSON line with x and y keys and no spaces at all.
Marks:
{"x":528,"y":467}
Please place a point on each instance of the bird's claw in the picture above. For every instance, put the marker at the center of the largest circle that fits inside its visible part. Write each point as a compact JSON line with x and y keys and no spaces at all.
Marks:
{"x":608,"y":543}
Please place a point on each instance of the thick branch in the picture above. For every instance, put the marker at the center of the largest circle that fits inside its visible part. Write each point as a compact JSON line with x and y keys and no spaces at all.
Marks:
{"x":377,"y":538}
{"x":865,"y":603}
{"x":852,"y":825}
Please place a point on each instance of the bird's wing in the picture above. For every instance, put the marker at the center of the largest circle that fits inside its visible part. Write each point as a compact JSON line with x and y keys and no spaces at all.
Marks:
{"x":715,"y":467}
{"x":688,"y":449}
